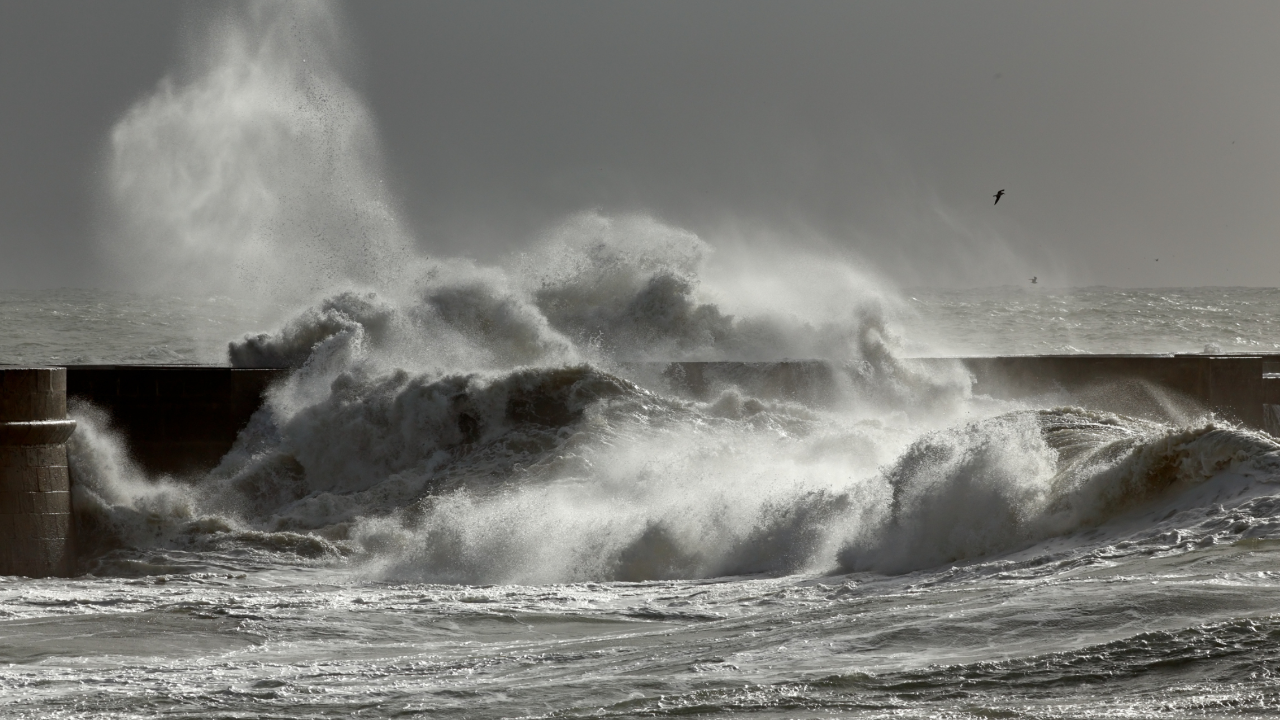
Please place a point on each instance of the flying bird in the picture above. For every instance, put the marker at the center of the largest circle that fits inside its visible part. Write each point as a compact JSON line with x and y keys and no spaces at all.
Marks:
{"x":998,"y":196}
{"x":1033,"y":279}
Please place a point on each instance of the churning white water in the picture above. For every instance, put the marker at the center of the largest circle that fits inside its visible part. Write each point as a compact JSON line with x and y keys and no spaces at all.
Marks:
{"x":481,"y":491}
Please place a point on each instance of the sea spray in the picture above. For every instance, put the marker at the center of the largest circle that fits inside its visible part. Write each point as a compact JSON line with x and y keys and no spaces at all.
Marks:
{"x":106,"y":481}
{"x":519,"y":421}
{"x":253,"y":171}
{"x":129,"y":523}
{"x":420,"y":382}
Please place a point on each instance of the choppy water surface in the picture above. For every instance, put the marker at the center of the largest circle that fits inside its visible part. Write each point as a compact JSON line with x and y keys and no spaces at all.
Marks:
{"x":87,"y":326}
{"x":1035,"y":320}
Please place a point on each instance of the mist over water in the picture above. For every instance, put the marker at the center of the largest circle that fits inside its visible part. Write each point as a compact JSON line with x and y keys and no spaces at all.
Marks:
{"x":478,"y":479}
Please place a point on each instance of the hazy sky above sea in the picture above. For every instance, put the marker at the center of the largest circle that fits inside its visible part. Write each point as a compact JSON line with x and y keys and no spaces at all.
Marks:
{"x":1122,"y":132}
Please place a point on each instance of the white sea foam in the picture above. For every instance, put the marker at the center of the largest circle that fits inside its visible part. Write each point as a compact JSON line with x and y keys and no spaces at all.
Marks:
{"x":1005,"y":483}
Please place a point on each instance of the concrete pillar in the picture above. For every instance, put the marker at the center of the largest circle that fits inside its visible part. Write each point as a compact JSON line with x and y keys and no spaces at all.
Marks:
{"x":35,"y":490}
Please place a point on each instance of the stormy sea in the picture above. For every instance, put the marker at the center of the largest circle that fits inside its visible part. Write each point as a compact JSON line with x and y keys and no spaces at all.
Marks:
{"x":488,"y":499}
{"x":483,"y":491}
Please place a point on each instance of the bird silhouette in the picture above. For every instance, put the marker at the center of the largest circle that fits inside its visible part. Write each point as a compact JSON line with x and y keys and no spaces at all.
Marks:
{"x":1033,"y":279}
{"x":998,"y":196}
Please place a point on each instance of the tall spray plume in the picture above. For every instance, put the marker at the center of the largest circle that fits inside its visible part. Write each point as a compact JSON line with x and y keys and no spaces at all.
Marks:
{"x":449,"y":420}
{"x":253,"y":171}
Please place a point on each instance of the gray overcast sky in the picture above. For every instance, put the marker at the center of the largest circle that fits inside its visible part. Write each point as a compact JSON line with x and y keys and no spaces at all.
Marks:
{"x":1122,"y":131}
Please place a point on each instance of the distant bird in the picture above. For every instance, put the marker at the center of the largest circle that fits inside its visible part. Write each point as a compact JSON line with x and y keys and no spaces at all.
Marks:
{"x":998,"y":196}
{"x":1033,"y":279}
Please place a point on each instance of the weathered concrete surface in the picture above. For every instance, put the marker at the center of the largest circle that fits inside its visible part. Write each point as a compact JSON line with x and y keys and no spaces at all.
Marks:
{"x":176,"y":419}
{"x":35,"y":492}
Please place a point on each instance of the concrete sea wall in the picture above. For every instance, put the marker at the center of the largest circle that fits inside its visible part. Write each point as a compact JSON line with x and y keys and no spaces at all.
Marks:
{"x":1243,"y":388}
{"x":182,"y":419}
{"x":1240,"y":387}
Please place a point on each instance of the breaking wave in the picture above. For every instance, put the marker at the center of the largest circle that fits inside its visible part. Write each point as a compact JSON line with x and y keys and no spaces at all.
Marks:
{"x":571,"y":473}
{"x":1009,"y":482}
{"x":619,"y":400}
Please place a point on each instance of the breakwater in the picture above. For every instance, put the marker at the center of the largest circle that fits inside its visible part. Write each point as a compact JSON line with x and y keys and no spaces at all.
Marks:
{"x":1243,"y":388}
{"x":181,"y":419}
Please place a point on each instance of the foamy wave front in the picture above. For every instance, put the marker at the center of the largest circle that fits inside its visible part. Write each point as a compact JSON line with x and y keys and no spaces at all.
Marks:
{"x":571,"y":473}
